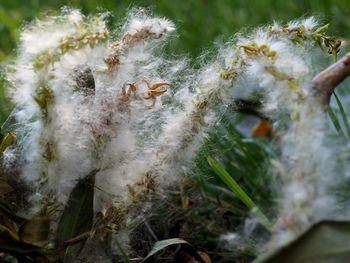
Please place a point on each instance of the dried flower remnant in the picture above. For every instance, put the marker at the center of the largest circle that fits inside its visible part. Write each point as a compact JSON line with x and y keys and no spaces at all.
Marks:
{"x":140,"y":31}
{"x":254,"y":49}
{"x":44,"y":98}
{"x":89,"y":33}
{"x":154,"y":91}
{"x":272,"y":54}
{"x":301,"y":31}
{"x":130,"y":90}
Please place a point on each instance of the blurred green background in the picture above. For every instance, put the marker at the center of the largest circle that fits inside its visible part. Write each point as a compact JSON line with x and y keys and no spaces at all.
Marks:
{"x":199,"y":22}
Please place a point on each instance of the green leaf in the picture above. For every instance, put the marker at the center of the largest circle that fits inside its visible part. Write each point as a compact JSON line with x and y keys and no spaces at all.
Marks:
{"x":234,"y":186}
{"x":6,"y":210}
{"x":35,"y":231}
{"x":10,"y":243}
{"x":124,"y":255}
{"x":325,"y":242}
{"x":343,"y":114}
{"x":7,"y":233}
{"x":335,"y":121}
{"x":322,"y":28}
{"x":10,"y":123}
{"x":8,"y":140}
{"x":163,"y":244}
{"x":77,"y":217}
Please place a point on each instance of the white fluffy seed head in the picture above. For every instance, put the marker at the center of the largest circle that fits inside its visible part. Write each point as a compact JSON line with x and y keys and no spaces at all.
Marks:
{"x":97,"y":116}
{"x":92,"y":104}
{"x":274,"y":62}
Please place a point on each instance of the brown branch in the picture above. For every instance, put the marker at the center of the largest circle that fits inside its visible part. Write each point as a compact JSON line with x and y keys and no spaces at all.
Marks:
{"x":324,"y":83}
{"x":77,"y":239}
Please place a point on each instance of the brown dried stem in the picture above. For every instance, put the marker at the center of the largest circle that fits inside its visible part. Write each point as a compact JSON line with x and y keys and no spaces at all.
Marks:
{"x":324,"y":83}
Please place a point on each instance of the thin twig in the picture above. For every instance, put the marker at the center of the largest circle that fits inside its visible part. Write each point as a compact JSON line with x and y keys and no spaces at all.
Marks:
{"x":326,"y":81}
{"x":77,"y":239}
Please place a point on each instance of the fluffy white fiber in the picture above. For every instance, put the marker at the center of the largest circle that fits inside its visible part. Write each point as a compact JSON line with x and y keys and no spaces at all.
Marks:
{"x":86,"y":100}
{"x":278,"y":61}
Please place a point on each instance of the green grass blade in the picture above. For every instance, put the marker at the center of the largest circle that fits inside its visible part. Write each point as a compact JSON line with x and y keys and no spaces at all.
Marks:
{"x":234,"y":186}
{"x":230,"y":182}
{"x":123,"y":253}
{"x":343,"y":115}
{"x":335,"y":121}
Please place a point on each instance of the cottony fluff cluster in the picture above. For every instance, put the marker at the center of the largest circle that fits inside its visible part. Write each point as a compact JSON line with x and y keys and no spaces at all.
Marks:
{"x":90,"y":101}
{"x":279,"y":63}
